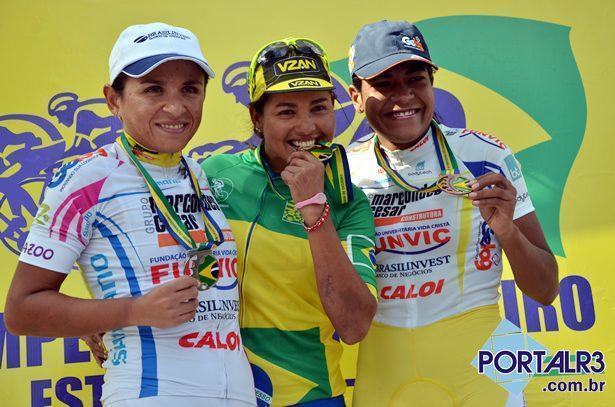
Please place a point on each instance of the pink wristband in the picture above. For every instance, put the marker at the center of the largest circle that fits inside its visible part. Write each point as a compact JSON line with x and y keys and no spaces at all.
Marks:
{"x":317,"y":199}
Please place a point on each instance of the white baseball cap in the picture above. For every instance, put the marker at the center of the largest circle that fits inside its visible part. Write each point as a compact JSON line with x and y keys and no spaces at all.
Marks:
{"x":142,"y":48}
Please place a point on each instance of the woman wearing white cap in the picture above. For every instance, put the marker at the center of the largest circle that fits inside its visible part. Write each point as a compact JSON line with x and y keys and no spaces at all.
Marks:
{"x":446,"y":203}
{"x":140,"y":221}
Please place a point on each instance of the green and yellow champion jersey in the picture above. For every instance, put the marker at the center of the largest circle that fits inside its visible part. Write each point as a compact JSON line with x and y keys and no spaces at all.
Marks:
{"x":291,"y":344}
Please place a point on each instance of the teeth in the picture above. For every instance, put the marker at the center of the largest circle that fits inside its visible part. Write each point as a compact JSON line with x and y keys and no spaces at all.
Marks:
{"x":302,"y":144}
{"x":172,"y":126}
{"x":405,"y":113}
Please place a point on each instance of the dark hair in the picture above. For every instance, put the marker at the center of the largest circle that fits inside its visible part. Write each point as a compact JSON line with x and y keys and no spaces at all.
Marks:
{"x":120,"y":82}
{"x":259,"y":107}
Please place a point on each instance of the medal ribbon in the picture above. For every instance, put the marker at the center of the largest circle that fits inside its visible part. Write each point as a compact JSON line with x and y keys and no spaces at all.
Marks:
{"x":167,"y":214}
{"x":446,"y":159}
{"x":337,"y":171}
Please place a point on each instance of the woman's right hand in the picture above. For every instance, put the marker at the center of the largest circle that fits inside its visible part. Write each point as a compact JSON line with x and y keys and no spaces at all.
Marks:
{"x":168,"y":305}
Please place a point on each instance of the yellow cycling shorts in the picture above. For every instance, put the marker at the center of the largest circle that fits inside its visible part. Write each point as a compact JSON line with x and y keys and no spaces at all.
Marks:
{"x":429,"y":365}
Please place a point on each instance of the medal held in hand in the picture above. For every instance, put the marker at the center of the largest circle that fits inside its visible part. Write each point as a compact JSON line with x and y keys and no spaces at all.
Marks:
{"x":321,"y":151}
{"x":204,"y":267}
{"x":454,"y":184}
{"x":201,"y":261}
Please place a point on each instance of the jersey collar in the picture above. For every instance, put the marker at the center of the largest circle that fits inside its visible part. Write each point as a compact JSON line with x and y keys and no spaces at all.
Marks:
{"x":153,"y":157}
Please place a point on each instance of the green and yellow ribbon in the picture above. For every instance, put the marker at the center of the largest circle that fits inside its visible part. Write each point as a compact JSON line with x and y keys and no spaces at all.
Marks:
{"x":337,"y":171}
{"x":446,"y":160}
{"x":175,"y":226}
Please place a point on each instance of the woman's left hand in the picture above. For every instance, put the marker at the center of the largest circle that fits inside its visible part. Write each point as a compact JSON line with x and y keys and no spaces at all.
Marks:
{"x":305,"y":176}
{"x":496,"y":197}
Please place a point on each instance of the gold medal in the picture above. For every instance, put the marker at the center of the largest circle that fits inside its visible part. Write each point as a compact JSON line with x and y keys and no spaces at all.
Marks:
{"x":204,"y":267}
{"x":321,"y":151}
{"x":454,"y":184}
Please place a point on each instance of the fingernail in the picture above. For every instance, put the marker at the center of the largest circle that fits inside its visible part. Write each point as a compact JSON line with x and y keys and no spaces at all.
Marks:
{"x":472,"y":195}
{"x":475,"y":186}
{"x":475,"y":203}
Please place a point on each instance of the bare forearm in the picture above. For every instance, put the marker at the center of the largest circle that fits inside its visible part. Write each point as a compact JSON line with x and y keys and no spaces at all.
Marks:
{"x":346,"y":299}
{"x":535,"y":269}
{"x":50,"y":313}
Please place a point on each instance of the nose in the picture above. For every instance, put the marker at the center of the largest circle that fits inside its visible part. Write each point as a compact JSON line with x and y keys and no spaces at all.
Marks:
{"x":402,"y":94}
{"x":174,"y":105}
{"x":305,"y":125}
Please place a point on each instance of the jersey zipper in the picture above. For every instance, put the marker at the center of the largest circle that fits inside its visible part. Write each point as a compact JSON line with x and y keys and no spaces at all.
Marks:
{"x":245,"y":260}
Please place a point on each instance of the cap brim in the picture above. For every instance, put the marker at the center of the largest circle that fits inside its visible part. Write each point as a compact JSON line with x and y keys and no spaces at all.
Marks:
{"x":377,"y":67}
{"x":146,"y":65}
{"x":297,"y":84}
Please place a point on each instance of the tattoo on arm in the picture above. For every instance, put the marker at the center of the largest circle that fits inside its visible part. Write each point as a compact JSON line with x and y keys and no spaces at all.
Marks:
{"x":329,"y":286}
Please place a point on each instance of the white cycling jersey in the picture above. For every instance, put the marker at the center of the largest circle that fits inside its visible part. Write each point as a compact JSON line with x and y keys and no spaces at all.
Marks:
{"x":436,"y":256}
{"x":98,"y":212}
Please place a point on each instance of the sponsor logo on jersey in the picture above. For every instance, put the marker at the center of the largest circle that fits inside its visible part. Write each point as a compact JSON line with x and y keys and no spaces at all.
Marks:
{"x":291,"y":214}
{"x":415,"y":240}
{"x":484,"y":137}
{"x":411,"y":268}
{"x":60,"y":177}
{"x":211,"y":340}
{"x":486,"y":253}
{"x":387,"y":205}
{"x":227,"y":269}
{"x":522,"y":197}
{"x":222,"y":188}
{"x":406,"y":292}
{"x":262,"y":386}
{"x":118,"y":350}
{"x":513,"y":168}
{"x":35,"y":250}
{"x":188,"y":208}
{"x":411,"y":217}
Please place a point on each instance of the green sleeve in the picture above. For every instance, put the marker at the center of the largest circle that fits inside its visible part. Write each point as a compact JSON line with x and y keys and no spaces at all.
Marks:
{"x":357,"y":234}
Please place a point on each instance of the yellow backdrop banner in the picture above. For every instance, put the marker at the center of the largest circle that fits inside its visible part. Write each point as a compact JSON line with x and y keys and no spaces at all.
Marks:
{"x":537,"y":74}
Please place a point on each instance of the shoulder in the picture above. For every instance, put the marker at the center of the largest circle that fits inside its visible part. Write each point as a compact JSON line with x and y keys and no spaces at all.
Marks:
{"x":217,"y":164}
{"x":360,"y":146}
{"x":474,"y":139}
{"x":87,"y":169}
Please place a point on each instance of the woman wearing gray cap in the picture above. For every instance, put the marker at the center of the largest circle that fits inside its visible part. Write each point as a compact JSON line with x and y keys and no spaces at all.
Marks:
{"x":153,"y":244}
{"x":446,"y":203}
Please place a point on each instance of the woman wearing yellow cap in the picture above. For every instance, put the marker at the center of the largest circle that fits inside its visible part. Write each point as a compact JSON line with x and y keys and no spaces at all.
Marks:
{"x":304,"y":233}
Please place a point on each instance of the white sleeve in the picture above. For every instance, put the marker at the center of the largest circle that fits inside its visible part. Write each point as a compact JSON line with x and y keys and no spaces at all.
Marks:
{"x":62,"y":226}
{"x":512,"y":170}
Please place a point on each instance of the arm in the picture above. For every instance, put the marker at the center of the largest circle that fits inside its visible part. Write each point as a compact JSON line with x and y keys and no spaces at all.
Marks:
{"x":531,"y":260}
{"x":35,"y":306}
{"x":345,"y":297}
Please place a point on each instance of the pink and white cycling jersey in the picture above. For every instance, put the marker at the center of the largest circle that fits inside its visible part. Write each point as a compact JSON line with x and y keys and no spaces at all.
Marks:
{"x":98,"y":212}
{"x":436,"y":256}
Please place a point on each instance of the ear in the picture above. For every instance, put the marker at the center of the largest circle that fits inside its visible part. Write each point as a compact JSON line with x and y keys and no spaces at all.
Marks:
{"x":113,"y":99}
{"x":357,"y":99}
{"x":256,"y":119}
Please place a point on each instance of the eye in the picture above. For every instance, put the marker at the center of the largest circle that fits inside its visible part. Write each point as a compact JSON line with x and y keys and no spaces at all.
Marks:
{"x":320,"y":108}
{"x":191,"y":89}
{"x":381,"y":84}
{"x":153,"y":89}
{"x":285,"y":112}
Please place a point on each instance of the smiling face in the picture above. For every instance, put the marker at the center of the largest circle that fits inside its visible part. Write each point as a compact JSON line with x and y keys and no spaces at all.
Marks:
{"x":292,"y":121}
{"x":161,"y":110}
{"x":398,"y":103}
